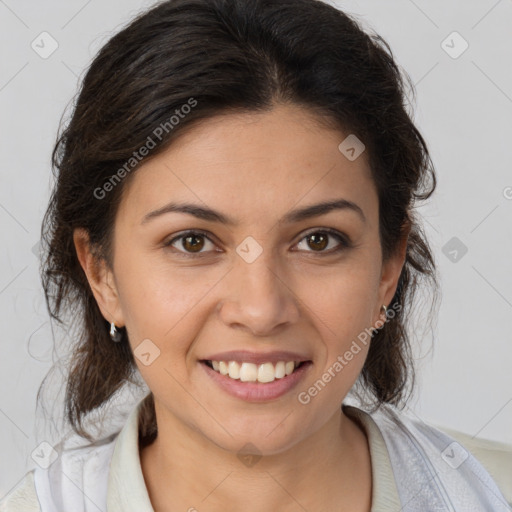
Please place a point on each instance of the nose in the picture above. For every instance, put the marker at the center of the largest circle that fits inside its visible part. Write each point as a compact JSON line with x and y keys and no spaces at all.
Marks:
{"x":258,"y":299}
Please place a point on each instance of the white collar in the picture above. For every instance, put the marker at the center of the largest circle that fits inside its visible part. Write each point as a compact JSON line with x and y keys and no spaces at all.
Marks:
{"x":87,"y":477}
{"x":127,"y":490}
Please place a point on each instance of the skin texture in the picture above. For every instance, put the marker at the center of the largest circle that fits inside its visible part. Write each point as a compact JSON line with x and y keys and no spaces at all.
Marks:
{"x":256,"y":168}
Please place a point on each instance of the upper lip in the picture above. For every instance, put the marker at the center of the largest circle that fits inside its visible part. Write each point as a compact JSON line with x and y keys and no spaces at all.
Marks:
{"x":257,"y":357}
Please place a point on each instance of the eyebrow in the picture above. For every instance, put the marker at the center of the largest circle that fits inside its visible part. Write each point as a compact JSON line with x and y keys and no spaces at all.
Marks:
{"x":298,"y":215}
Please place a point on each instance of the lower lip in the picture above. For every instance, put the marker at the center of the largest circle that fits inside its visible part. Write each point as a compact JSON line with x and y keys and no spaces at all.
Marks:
{"x":257,"y":391}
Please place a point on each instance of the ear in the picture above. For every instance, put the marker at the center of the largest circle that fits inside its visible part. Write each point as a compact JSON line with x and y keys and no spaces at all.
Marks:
{"x":391,"y":270}
{"x":100,"y":278}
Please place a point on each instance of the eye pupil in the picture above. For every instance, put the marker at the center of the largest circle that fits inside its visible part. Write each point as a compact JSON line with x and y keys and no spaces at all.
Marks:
{"x":193,"y":242}
{"x":319,"y":241}
{"x":195,"y":247}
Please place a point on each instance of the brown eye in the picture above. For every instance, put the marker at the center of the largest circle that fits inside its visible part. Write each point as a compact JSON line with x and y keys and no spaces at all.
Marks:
{"x":193,"y":243}
{"x":190,"y":243}
{"x":318,"y":241}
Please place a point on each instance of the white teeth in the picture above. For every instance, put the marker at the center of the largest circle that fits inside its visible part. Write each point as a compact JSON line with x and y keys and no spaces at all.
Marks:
{"x":234,"y":369}
{"x":267,"y":373}
{"x":223,"y":368}
{"x":250,"y":372}
{"x":280,"y":370}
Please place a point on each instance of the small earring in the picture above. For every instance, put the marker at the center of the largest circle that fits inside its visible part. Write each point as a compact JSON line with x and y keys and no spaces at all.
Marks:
{"x":385,"y":309}
{"x":114,"y":333}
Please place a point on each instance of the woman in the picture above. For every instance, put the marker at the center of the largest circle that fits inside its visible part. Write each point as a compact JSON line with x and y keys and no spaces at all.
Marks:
{"x":233,"y":219}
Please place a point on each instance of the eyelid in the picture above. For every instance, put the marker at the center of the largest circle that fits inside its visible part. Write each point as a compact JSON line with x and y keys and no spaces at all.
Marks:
{"x":184,"y":234}
{"x":343,"y":240}
{"x":330,"y":231}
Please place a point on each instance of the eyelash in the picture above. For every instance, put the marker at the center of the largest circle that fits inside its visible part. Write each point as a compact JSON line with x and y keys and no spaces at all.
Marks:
{"x":343,"y":241}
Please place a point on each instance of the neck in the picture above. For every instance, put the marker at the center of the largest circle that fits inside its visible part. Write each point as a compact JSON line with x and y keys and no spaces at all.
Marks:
{"x":329,"y":470}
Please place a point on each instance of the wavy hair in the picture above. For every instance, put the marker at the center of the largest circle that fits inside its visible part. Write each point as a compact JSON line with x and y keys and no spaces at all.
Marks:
{"x":230,"y":56}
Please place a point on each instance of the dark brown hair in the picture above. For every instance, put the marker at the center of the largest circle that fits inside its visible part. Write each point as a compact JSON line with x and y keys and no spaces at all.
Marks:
{"x":228,"y":56}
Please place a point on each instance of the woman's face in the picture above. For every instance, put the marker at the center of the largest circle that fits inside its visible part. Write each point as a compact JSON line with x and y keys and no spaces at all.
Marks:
{"x":270,"y":287}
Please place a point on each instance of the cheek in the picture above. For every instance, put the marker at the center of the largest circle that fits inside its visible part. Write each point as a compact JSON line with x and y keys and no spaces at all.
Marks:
{"x":345,"y":299}
{"x":162,"y":305}
{"x":344,"y":309}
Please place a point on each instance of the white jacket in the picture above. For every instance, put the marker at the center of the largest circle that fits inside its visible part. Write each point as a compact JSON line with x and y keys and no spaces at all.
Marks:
{"x":432,"y":472}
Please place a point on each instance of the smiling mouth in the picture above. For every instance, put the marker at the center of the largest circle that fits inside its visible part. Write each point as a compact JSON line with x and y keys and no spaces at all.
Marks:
{"x":251,"y":372}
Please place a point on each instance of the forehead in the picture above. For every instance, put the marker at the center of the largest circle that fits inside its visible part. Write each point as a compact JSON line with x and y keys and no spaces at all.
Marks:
{"x":252,"y":164}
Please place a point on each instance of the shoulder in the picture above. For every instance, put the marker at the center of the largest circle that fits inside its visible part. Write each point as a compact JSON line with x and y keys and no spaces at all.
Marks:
{"x":77,"y":478}
{"x":77,"y":475}
{"x":431,"y":466}
{"x":495,"y":456}
{"x":23,"y":497}
{"x":74,"y":474}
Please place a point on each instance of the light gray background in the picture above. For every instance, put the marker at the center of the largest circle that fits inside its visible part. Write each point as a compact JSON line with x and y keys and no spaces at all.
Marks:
{"x":464,"y":110}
